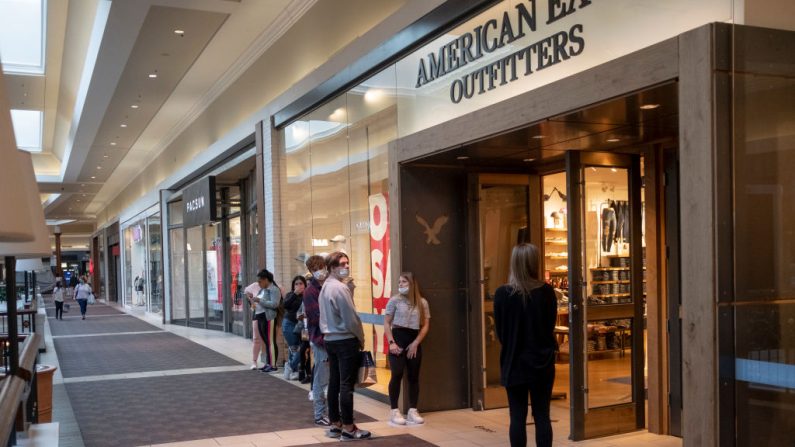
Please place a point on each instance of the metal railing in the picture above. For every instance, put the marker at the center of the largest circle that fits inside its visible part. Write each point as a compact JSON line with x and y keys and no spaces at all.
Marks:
{"x":18,"y":393}
{"x":26,"y":321}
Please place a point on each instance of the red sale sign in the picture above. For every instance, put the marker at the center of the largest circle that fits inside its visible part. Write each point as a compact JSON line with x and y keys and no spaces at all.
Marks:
{"x":381,"y":277}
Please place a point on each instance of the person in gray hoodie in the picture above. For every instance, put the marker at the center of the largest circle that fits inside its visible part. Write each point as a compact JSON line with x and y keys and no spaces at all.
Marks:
{"x":267,"y":303}
{"x":343,"y":336}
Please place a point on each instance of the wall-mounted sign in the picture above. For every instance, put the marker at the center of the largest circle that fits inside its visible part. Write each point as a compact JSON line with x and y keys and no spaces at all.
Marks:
{"x":519,"y":45}
{"x":198,"y":203}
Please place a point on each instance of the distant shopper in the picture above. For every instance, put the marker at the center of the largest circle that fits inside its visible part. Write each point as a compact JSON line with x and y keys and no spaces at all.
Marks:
{"x":251,"y":291}
{"x":525,"y":311}
{"x":267,"y":303}
{"x":82,"y":293}
{"x":57,"y":296}
{"x":344,"y":339}
{"x":320,"y":372}
{"x":406,"y":323}
{"x":292,"y":302}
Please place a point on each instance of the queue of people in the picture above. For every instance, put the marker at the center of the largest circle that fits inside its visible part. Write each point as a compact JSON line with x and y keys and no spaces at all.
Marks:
{"x":321,"y":304}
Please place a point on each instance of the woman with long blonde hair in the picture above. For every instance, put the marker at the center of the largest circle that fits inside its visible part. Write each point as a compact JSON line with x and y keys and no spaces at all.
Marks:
{"x":406,"y":323}
{"x":525,"y":311}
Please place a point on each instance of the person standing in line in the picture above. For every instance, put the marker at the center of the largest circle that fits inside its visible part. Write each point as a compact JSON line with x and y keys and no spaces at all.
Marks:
{"x":292,"y":302}
{"x":57,"y":296}
{"x":304,"y":359}
{"x":320,"y":372}
{"x":406,"y":323}
{"x":251,"y":291}
{"x":525,"y":311}
{"x":344,"y":338}
{"x":82,"y":292}
{"x":267,"y":303}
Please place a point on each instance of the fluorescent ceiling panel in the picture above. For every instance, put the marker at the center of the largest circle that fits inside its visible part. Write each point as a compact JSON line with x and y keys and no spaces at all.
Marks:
{"x":22,"y":36}
{"x":27,"y":128}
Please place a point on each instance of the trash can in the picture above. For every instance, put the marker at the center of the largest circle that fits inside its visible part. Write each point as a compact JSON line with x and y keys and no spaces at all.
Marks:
{"x":44,"y":392}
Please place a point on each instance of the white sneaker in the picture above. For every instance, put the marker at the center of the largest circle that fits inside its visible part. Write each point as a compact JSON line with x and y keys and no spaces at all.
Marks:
{"x":311,"y":397}
{"x":253,"y":366}
{"x":293,"y":375}
{"x":413,"y":417}
{"x":287,"y":372}
{"x":396,"y":418}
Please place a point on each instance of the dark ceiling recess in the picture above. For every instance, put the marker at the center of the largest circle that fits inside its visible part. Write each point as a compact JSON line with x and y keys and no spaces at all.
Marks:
{"x":428,"y":27}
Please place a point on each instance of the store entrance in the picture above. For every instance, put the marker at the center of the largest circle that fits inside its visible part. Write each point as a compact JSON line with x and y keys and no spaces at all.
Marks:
{"x":588,"y":188}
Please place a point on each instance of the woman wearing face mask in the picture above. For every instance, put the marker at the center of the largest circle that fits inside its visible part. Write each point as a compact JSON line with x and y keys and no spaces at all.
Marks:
{"x":267,"y":303}
{"x":82,"y":292}
{"x":406,"y":323}
{"x":292,"y":302}
{"x":344,"y":338}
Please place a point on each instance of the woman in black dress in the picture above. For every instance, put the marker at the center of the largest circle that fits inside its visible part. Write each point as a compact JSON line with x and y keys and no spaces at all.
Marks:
{"x":525,"y":311}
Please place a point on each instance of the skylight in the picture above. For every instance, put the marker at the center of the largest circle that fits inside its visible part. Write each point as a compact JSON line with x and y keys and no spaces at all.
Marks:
{"x":22,"y":36}
{"x":27,"y":129}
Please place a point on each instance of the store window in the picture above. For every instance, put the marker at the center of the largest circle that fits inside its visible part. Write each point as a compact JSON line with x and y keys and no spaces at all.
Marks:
{"x":135,"y":264}
{"x":155,"y":272}
{"x":335,"y":195}
{"x":763,"y":335}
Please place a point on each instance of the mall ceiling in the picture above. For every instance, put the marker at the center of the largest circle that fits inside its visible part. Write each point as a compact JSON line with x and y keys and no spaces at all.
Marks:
{"x":623,"y":125}
{"x":124,"y":78}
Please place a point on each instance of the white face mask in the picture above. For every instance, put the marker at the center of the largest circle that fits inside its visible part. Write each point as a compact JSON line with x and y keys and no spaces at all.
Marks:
{"x":343,"y":273}
{"x":320,"y":275}
{"x":403,"y":290}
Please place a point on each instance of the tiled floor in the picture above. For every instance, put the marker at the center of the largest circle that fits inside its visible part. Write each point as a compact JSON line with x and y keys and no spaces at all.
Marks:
{"x":450,"y":428}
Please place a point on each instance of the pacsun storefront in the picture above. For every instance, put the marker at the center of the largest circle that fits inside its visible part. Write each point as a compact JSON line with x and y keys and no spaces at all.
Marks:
{"x":628,"y":139}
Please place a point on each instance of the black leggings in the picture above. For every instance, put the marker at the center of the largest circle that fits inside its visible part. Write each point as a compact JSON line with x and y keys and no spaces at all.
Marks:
{"x":58,"y":309}
{"x":398,"y":363}
{"x":540,"y":390}
{"x":267,"y":337}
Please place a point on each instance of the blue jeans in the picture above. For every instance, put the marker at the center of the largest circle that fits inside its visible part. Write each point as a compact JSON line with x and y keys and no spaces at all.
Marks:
{"x":293,"y":341}
{"x":82,"y":302}
{"x":319,"y":379}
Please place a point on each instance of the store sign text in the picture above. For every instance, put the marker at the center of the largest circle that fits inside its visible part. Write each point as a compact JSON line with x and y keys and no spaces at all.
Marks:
{"x":496,"y":34}
{"x":199,"y":202}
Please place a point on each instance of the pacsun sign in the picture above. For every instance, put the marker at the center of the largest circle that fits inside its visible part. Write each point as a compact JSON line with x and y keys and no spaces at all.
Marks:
{"x":199,"y":204}
{"x":495,"y":34}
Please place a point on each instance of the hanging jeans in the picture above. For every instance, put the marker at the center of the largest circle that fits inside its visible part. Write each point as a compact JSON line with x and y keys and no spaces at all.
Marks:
{"x":608,"y":229}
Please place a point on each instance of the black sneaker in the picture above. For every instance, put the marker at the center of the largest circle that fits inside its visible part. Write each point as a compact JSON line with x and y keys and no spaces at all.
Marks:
{"x":355,"y":435}
{"x":322,"y":421}
{"x":334,"y":432}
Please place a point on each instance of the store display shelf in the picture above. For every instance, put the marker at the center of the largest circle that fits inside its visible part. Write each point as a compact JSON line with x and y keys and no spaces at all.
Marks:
{"x":557,"y":256}
{"x":556,"y":242}
{"x":555,"y":229}
{"x":609,"y":268}
{"x":611,"y":282}
{"x":559,"y":272}
{"x":612,"y":295}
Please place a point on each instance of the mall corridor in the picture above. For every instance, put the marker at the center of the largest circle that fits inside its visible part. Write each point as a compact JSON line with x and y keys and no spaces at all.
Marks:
{"x":124,"y":380}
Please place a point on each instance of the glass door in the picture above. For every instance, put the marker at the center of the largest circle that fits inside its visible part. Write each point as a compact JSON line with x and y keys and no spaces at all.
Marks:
{"x":606,"y":294}
{"x":503,"y":217}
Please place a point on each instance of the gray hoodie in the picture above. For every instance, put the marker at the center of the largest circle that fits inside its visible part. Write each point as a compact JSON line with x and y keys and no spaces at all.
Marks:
{"x":338,"y":317}
{"x":270,"y":299}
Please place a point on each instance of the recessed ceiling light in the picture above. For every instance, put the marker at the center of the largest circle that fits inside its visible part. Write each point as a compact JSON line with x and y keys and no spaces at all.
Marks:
{"x":93,"y":177}
{"x":528,"y":160}
{"x":82,"y":185}
{"x":78,"y":200}
{"x":99,"y":167}
{"x":179,"y":32}
{"x":649,"y":106}
{"x":134,"y":106}
{"x":462,"y":157}
{"x":122,"y":125}
{"x":105,"y":156}
{"x":538,"y":137}
{"x":112,"y":143}
{"x":84,"y":195}
{"x":613,"y":140}
{"x":152,"y":75}
{"x":613,"y":170}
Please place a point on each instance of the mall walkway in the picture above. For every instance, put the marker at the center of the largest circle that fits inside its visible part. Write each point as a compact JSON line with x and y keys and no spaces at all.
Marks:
{"x":127,"y":380}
